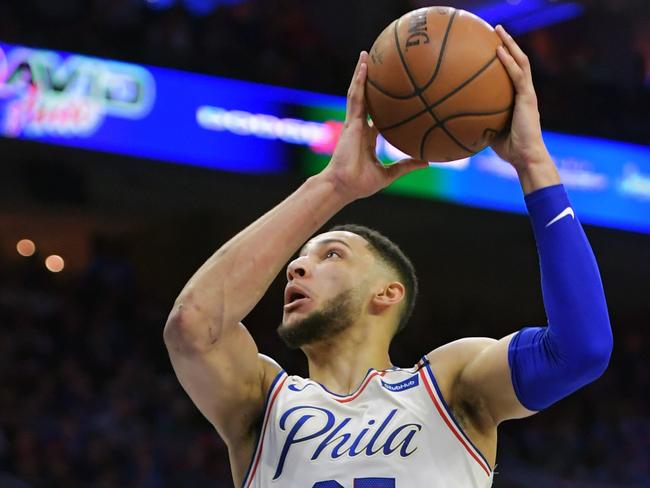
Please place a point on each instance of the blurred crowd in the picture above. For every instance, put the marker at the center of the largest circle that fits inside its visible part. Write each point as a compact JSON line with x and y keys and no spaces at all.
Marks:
{"x":89,"y":398}
{"x":88,"y":395}
{"x":592,"y":73}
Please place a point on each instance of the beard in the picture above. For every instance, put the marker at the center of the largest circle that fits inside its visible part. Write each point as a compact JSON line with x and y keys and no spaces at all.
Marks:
{"x":337,"y":315}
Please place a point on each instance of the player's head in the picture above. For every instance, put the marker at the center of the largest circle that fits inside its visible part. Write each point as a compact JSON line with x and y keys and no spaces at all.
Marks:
{"x":349,"y":274}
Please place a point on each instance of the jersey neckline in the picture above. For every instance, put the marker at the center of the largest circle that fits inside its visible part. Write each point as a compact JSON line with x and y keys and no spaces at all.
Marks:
{"x":371,"y":373}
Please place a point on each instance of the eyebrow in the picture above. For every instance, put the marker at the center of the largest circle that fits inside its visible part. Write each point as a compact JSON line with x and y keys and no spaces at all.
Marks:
{"x":327,"y":241}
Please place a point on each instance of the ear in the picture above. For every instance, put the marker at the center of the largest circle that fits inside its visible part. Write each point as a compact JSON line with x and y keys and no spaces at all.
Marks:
{"x":389,"y":295}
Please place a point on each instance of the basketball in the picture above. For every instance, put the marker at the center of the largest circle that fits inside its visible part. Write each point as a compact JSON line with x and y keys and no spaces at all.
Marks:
{"x":435,"y":88}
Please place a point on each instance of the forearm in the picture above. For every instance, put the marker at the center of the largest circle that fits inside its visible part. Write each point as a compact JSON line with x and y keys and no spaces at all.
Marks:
{"x":573,"y":293}
{"x":233,"y":280}
{"x":550,"y":362}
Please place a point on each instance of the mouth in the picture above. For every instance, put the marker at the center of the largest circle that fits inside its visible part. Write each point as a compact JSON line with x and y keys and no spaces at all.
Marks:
{"x":294,"y":292}
{"x":294,"y":297}
{"x":291,"y":306}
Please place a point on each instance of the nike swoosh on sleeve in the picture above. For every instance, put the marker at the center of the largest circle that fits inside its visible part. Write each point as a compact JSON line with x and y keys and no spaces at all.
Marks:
{"x":566,"y":212}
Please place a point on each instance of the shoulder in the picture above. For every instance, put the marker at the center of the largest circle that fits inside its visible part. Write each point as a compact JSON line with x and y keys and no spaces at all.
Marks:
{"x":452,"y":358}
{"x":244,"y":431}
{"x":270,"y":371}
{"x":448,"y":362}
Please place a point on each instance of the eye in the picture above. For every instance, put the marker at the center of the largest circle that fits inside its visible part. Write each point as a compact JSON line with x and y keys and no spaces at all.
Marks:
{"x":330,"y":252}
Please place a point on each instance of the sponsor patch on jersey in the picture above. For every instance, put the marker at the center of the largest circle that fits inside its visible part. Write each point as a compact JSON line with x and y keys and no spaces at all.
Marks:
{"x":402,"y":385}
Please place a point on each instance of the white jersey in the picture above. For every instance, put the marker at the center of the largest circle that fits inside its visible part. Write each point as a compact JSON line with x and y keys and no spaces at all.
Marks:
{"x":395,"y":431}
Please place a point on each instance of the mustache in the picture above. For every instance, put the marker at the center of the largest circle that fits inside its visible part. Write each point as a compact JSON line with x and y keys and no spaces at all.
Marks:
{"x":335,"y":316}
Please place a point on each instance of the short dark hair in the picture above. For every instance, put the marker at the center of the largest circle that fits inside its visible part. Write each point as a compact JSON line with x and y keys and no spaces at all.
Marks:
{"x":391,"y":255}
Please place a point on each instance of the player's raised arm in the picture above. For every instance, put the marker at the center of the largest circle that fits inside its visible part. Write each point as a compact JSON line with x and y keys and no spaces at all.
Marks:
{"x":528,"y":371}
{"x":214,"y":356}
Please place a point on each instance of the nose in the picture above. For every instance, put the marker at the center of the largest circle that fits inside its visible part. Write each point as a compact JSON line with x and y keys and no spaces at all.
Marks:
{"x":297,"y":267}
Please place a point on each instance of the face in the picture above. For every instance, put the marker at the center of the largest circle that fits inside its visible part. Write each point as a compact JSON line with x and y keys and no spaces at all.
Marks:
{"x":328,"y":288}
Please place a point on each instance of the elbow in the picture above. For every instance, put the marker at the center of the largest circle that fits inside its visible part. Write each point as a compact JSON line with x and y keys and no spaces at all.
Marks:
{"x":596,"y":355}
{"x":173,"y":331}
{"x":185,"y":330}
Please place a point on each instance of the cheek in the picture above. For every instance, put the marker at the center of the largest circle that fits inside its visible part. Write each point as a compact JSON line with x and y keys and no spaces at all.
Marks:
{"x":329,"y":284}
{"x":338,"y":284}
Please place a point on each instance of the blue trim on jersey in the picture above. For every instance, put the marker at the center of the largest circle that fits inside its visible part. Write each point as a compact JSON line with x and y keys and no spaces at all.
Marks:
{"x":259,"y":432}
{"x":444,"y":404}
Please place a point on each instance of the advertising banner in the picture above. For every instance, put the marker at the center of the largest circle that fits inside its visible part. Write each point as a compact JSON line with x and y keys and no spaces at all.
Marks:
{"x":188,"y":118}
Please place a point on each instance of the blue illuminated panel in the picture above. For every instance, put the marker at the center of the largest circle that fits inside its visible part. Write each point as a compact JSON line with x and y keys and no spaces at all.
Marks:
{"x":608,"y":182}
{"x":188,"y":118}
{"x":527,"y":15}
{"x":91,"y":103}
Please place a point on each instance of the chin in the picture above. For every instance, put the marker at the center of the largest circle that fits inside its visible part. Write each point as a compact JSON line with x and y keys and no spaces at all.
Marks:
{"x":291,"y":318}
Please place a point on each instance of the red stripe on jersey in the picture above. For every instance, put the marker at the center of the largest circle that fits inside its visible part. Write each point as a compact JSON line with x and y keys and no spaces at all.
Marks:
{"x":450,"y":424}
{"x":365,"y":383}
{"x":266,"y":421}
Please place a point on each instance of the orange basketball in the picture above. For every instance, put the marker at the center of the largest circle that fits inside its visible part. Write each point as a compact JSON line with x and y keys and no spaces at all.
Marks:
{"x":436,"y":89}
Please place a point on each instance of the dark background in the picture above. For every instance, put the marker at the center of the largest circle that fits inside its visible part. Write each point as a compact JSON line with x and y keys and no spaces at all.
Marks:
{"x":88,"y":397}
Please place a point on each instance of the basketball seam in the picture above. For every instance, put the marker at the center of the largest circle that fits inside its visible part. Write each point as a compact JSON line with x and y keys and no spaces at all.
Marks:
{"x":443,"y":98}
{"x":466,"y":114}
{"x":422,"y":98}
{"x":379,"y":88}
{"x":476,"y":114}
{"x":433,"y":77}
{"x":443,"y":47}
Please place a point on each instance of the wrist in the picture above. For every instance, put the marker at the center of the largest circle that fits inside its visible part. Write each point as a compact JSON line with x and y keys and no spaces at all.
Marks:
{"x":538,"y":173}
{"x":338,"y":189}
{"x":336,"y":195}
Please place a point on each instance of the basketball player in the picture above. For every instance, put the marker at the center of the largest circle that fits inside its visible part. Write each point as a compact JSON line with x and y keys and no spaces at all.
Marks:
{"x":358,"y":421}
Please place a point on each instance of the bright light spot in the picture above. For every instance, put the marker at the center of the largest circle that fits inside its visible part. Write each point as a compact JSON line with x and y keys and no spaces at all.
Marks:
{"x":514,"y":2}
{"x":26,"y":248}
{"x":457,"y":164}
{"x":54,"y":263}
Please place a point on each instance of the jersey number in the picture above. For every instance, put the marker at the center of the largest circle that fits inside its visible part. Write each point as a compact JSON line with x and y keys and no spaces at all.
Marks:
{"x":359,"y":483}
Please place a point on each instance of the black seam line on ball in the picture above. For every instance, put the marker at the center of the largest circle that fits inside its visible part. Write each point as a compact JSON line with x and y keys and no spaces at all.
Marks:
{"x":444,"y":97}
{"x":435,"y":73}
{"x":441,"y":54}
{"x":456,"y":116}
{"x":424,"y":100}
{"x":383,"y":91}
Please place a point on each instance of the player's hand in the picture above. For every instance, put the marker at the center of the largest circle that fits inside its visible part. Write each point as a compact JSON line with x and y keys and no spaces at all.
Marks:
{"x":354,"y":168}
{"x":523,"y":145}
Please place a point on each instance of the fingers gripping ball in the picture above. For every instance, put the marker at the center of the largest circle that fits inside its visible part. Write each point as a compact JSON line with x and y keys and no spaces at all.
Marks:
{"x":435,"y":87}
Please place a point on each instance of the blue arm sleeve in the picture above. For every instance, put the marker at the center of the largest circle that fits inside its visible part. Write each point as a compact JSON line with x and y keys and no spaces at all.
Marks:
{"x":549,"y":363}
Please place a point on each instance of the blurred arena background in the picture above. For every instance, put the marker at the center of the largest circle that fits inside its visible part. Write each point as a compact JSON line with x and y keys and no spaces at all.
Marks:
{"x":87,"y":395}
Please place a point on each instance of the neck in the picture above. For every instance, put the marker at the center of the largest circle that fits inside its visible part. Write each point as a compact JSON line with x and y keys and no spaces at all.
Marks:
{"x":342,"y":363}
